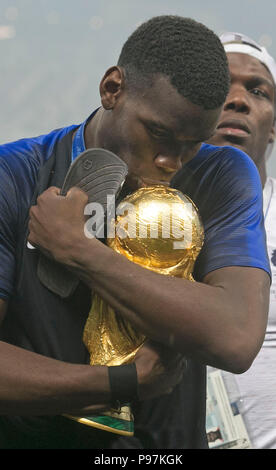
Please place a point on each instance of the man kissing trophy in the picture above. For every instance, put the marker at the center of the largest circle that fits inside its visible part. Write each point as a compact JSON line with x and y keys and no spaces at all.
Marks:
{"x":156,"y":227}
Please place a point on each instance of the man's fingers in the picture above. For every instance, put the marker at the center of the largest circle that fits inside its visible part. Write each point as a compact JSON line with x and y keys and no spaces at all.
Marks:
{"x":54,"y":190}
{"x":77,"y":193}
{"x":52,"y":195}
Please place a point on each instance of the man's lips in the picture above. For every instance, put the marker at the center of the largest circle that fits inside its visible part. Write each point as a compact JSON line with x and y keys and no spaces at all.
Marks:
{"x":151,"y":182}
{"x":233,"y":128}
{"x":136,"y":181}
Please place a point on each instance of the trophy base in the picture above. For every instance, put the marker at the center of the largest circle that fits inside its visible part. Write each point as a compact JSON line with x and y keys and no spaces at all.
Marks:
{"x":116,"y":421}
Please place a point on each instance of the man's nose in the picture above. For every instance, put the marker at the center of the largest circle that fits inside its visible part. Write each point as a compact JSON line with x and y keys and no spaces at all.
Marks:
{"x":168,"y":163}
{"x":237,"y":100}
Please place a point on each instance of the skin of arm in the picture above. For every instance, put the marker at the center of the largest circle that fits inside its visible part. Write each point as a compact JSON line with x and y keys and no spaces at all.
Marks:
{"x":37,"y":385}
{"x":32,"y":384}
{"x":220,"y":321}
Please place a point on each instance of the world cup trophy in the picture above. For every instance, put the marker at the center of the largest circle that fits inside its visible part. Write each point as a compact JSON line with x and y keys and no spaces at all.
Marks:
{"x":160,"y":229}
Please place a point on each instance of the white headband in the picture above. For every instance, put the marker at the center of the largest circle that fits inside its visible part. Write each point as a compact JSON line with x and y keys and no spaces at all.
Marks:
{"x":237,"y":42}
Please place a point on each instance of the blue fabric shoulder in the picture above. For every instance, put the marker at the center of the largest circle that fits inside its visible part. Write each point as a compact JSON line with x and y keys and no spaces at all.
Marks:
{"x":20,"y":162}
{"x":225,"y":185}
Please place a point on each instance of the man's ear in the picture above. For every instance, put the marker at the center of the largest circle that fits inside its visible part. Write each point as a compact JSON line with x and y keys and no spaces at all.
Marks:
{"x":272,"y":134}
{"x":111,"y":86}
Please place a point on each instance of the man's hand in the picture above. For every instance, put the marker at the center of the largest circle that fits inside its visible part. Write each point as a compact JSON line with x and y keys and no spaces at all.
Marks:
{"x":57,"y":222}
{"x":159,"y":370}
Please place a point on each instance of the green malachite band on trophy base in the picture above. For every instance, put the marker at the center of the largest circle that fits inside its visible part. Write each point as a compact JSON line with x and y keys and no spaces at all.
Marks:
{"x":106,"y":423}
{"x":116,"y":421}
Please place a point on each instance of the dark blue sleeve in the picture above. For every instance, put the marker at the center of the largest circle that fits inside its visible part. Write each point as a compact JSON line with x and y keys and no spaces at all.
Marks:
{"x":233,"y":221}
{"x":20,"y":162}
{"x":8,"y":230}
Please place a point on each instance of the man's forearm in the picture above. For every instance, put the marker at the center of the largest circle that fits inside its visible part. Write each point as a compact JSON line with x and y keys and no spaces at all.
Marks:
{"x":32,"y":384}
{"x":206,"y":321}
{"x":160,"y":306}
{"x":221,"y":320}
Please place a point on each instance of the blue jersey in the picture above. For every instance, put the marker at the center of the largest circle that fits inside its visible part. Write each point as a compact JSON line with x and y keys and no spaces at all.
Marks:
{"x":20,"y":163}
{"x":223,"y":182}
{"x":225,"y":185}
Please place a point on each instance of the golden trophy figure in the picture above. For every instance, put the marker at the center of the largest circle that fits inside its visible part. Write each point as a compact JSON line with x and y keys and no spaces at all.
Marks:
{"x":160,"y":229}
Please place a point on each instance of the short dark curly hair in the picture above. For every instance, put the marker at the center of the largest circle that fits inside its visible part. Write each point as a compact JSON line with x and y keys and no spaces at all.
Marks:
{"x":187,"y":52}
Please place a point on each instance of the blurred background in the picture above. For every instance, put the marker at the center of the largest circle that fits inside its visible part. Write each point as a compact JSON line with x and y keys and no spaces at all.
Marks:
{"x":53,"y":53}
